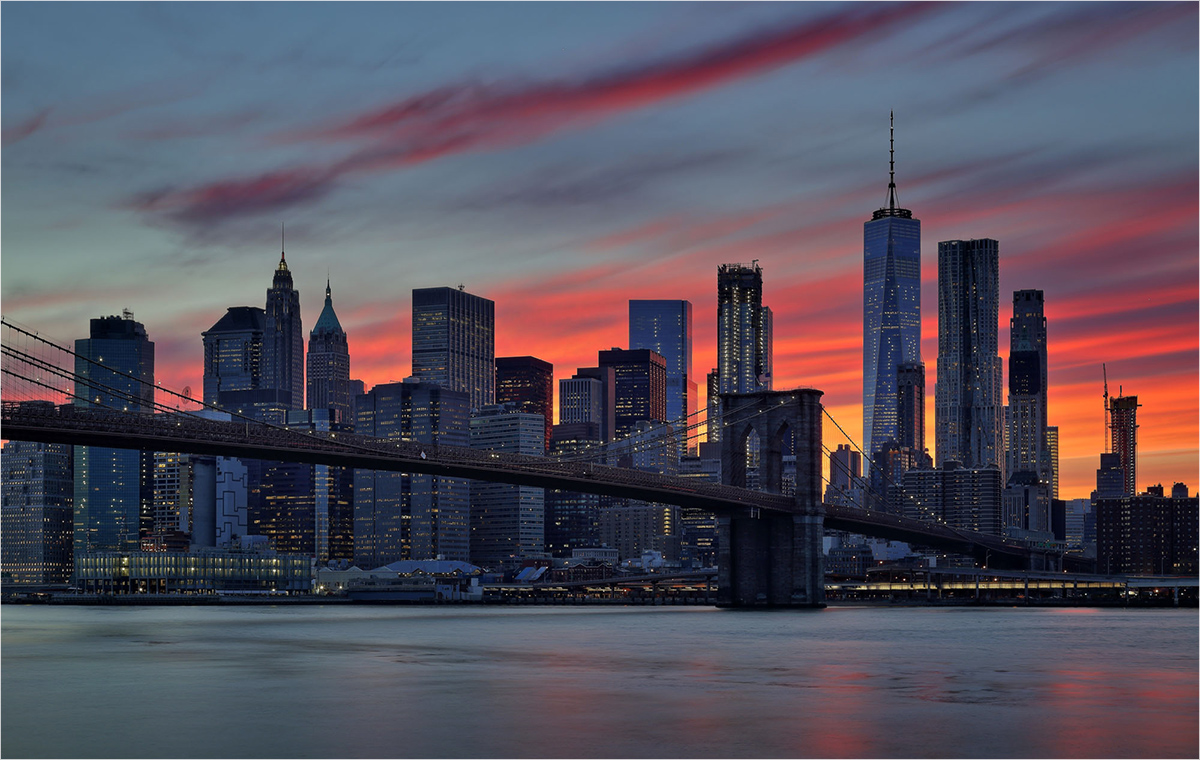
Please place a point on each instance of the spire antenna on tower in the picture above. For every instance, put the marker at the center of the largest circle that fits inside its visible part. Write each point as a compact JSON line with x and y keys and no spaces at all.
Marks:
{"x":892,"y":160}
{"x":281,"y":241}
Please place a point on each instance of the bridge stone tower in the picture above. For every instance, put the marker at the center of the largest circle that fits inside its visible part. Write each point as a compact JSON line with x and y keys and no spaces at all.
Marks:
{"x":773,"y":559}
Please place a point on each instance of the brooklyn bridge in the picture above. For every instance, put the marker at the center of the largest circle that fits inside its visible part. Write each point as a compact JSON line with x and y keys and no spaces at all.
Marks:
{"x":770,"y":543}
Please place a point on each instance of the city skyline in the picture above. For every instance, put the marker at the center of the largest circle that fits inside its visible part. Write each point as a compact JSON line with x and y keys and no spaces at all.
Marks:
{"x":560,"y":198}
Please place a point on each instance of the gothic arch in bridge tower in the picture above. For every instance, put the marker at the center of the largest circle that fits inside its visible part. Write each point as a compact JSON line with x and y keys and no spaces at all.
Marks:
{"x":773,"y":559}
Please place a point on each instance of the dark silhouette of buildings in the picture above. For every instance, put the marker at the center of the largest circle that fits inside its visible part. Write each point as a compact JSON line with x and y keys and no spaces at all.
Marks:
{"x":640,"y":387}
{"x":329,"y":364}
{"x":1148,"y":534}
{"x":527,"y":382}
{"x":283,"y":340}
{"x":307,"y":508}
{"x":113,"y":492}
{"x":1028,"y":437}
{"x":572,"y":519}
{"x":409,"y":516}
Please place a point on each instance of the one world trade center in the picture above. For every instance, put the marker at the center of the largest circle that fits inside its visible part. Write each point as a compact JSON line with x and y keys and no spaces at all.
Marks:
{"x":891,"y":312}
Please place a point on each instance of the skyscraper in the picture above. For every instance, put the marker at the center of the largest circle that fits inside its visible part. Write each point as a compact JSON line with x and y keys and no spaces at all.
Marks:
{"x":1052,"y":445}
{"x":572,"y":519}
{"x":845,"y":467}
{"x":329,"y":364}
{"x":36,"y":529}
{"x":113,"y":491}
{"x":891,"y":312}
{"x":910,"y":406}
{"x":1028,"y":435}
{"x":1123,"y":415}
{"x":283,"y":340}
{"x":641,"y":387}
{"x":507,"y":521}
{"x":409,"y":516}
{"x":968,"y":415}
{"x":665,"y":327}
{"x":744,"y":325}
{"x":235,"y":372}
{"x":589,"y":396}
{"x":454,"y":342}
{"x":528,"y":382}
{"x":173,"y":499}
{"x":307,"y":508}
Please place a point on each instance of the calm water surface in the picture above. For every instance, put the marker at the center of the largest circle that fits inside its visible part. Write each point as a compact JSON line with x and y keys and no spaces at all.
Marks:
{"x":596,"y":682}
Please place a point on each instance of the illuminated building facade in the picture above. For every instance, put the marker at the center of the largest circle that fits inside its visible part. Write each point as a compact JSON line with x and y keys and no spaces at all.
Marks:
{"x":967,"y":498}
{"x":202,"y":571}
{"x":172,"y":509}
{"x":113,"y":491}
{"x":1028,"y":434}
{"x":1052,"y":453}
{"x":640,"y":387}
{"x":1147,"y":534}
{"x":527,"y":382}
{"x":589,"y":396}
{"x":454,"y":342}
{"x":409,"y":516}
{"x":891,"y":313}
{"x":36,"y":531}
{"x":507,"y":521}
{"x":1123,"y":416}
{"x":744,"y":330}
{"x":665,"y":327}
{"x":307,"y":508}
{"x":572,"y":519}
{"x":969,"y":412}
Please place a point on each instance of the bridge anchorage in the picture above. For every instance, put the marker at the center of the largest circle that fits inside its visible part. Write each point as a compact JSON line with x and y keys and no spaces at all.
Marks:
{"x":771,"y":558}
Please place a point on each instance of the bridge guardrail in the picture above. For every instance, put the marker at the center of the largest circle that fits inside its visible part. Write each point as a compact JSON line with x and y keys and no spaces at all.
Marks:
{"x":190,"y":427}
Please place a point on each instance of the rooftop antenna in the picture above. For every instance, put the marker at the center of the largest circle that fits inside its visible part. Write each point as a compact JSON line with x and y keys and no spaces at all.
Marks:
{"x":1107,"y":424}
{"x":891,"y":160}
{"x":281,"y":242}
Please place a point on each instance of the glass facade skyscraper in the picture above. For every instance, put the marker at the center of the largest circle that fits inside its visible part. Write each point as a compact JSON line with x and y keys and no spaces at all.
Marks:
{"x":113,"y":487}
{"x":528,"y":382}
{"x":408,"y":516}
{"x":1028,"y":433}
{"x":36,"y":530}
{"x":454,"y":342}
{"x":665,"y":327}
{"x":507,"y":521}
{"x":307,"y":508}
{"x":235,"y":370}
{"x":891,"y":314}
{"x":969,"y":411}
{"x":641,"y":387}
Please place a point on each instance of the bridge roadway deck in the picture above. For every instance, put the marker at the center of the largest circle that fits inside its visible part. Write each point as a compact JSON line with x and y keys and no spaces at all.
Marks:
{"x":188,"y":434}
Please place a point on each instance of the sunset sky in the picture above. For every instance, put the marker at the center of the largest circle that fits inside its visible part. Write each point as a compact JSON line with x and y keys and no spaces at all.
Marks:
{"x":562,"y":159}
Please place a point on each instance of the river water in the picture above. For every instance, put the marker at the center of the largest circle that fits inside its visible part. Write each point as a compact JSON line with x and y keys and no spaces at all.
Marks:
{"x":354,"y":681}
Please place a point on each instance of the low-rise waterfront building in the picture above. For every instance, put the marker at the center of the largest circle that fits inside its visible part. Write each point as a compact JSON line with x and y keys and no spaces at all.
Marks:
{"x":203,"y":571}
